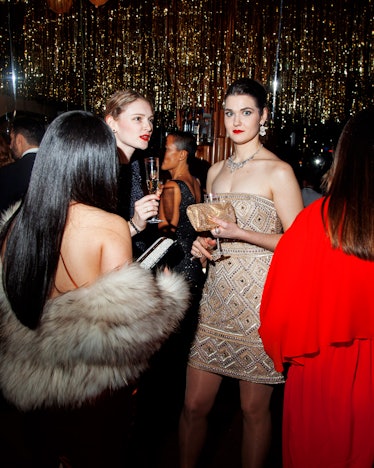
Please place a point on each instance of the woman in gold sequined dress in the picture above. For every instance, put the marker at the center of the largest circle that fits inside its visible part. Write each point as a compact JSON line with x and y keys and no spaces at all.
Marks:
{"x":266,"y":197}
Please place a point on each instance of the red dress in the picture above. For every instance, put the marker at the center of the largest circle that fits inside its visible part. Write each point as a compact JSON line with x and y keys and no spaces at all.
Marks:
{"x":317,"y":314}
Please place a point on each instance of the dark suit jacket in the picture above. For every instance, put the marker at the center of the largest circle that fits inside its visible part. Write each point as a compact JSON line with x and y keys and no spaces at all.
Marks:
{"x":14,"y":180}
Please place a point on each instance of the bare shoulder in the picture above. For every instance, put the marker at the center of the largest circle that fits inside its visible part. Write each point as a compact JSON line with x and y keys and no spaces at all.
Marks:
{"x":276,"y":166}
{"x":95,"y":214}
{"x":213,"y":172}
{"x":171,"y":184}
{"x":94,"y":242}
{"x":170,"y":189}
{"x":97,"y":220}
{"x":216,"y":167}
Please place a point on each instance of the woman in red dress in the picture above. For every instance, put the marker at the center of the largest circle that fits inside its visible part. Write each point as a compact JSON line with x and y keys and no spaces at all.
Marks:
{"x":317,"y":314}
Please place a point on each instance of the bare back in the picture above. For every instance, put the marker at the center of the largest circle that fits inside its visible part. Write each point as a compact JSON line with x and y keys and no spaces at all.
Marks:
{"x":94,"y":242}
{"x":171,"y":200}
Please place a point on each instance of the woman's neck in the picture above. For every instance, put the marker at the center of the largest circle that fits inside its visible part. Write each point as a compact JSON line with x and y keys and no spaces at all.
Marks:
{"x":180,"y":173}
{"x":124,"y":154}
{"x":242,"y":152}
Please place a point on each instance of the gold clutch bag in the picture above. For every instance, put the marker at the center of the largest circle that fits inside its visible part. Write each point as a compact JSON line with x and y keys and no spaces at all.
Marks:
{"x":200,"y":214}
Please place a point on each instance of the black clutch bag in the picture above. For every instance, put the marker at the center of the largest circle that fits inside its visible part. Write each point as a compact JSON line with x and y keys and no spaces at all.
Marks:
{"x":163,"y":252}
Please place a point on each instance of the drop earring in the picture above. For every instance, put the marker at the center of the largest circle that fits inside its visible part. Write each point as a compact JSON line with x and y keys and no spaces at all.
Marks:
{"x":262,"y":129}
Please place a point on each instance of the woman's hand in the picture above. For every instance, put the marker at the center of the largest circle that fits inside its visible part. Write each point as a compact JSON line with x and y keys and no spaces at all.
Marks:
{"x":202,"y":247}
{"x":144,"y":209}
{"x":225,"y":229}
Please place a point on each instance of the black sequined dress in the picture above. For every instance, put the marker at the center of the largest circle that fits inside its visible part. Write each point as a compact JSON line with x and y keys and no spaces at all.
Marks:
{"x":185,"y":234}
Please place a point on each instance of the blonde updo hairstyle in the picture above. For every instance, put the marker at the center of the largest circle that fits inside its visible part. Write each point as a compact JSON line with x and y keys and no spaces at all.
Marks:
{"x":118,"y":102}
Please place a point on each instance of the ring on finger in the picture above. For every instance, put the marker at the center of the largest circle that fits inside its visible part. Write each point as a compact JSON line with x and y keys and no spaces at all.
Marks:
{"x":217,"y":230}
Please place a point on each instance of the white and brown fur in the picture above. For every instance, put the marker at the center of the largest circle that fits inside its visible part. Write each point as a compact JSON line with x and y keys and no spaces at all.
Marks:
{"x":90,"y":339}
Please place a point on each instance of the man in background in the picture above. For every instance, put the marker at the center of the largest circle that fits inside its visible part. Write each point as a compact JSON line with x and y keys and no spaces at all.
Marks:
{"x":25,"y":137}
{"x":311,"y":188}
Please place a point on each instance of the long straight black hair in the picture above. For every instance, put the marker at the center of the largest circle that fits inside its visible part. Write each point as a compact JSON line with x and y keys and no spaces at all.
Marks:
{"x":77,"y":161}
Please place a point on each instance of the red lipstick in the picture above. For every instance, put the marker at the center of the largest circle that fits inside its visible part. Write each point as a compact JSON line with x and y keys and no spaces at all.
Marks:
{"x":237,"y":131}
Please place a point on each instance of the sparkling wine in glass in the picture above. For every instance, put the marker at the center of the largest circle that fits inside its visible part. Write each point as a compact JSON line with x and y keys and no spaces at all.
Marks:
{"x":213,"y":198}
{"x":154,"y":185}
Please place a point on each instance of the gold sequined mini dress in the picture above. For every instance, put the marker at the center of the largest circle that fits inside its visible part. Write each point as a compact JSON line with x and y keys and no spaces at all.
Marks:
{"x":227,"y":340}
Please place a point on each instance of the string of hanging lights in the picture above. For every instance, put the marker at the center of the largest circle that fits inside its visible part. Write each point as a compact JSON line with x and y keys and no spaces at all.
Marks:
{"x":183,"y":54}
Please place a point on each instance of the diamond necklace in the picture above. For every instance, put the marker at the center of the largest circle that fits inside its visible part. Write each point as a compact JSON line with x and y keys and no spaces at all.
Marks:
{"x":233,"y":166}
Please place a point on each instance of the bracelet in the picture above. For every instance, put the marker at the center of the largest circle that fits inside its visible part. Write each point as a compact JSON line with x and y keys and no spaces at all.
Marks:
{"x":137,"y":230}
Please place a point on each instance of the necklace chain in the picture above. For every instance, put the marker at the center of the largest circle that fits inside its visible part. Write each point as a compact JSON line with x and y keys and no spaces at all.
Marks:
{"x":233,"y":166}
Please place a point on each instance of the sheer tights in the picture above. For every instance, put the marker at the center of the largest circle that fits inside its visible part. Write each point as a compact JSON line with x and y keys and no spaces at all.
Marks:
{"x":201,"y":390}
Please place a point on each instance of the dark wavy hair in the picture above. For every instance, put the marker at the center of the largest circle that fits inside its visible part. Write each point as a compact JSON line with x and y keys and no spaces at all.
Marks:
{"x":250,"y":87}
{"x":349,"y":220}
{"x":77,"y":161}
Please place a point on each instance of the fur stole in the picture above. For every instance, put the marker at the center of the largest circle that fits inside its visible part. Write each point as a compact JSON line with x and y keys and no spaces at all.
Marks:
{"x":90,"y":339}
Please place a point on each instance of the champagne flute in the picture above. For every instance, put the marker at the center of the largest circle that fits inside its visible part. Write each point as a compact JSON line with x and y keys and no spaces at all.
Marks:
{"x":213,"y":198}
{"x":154,"y":185}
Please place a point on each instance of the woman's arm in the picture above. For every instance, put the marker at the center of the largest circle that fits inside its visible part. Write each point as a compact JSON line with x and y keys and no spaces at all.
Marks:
{"x":233,"y":231}
{"x":143,"y":209}
{"x":116,"y":245}
{"x":287,"y":197}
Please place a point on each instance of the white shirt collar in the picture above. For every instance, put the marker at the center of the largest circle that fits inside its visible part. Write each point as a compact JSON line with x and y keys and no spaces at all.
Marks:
{"x":30,"y":150}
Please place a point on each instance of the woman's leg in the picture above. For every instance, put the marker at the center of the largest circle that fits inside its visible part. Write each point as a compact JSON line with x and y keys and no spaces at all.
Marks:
{"x":201,"y":390}
{"x":255,"y":404}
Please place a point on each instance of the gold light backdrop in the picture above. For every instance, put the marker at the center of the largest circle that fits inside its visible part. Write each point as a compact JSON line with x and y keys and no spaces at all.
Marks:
{"x":183,"y":53}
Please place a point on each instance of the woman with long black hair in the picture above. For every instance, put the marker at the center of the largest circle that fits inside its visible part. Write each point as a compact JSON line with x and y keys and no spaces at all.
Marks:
{"x":78,"y":320}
